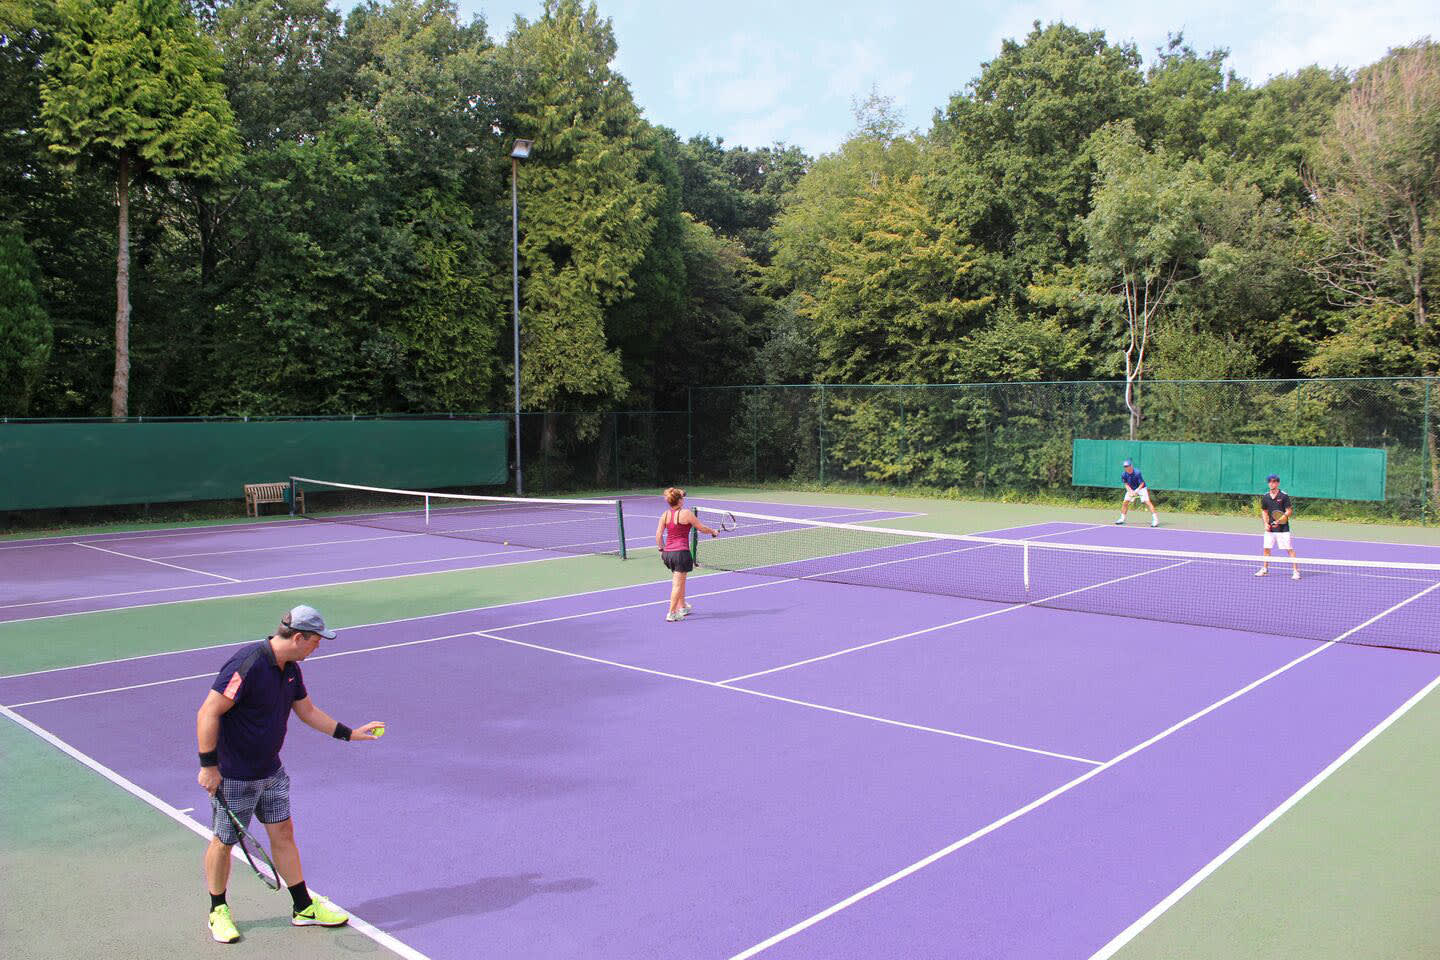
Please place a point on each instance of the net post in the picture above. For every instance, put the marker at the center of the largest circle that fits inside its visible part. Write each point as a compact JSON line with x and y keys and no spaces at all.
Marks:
{"x":1025,"y":563}
{"x":620,"y":522}
{"x":695,"y":539}
{"x":427,"y":509}
{"x":291,"y":495}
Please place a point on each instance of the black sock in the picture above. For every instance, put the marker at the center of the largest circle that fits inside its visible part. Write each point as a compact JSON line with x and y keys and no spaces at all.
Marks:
{"x":217,"y":899}
{"x":300,"y":895}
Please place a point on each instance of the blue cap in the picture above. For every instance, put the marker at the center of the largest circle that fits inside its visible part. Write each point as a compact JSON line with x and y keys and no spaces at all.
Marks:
{"x":308,"y":620}
{"x":1273,"y":476}
{"x":1127,"y":463}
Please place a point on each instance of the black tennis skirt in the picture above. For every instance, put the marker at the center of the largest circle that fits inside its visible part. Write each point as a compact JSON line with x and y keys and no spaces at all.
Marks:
{"x":678,"y":561}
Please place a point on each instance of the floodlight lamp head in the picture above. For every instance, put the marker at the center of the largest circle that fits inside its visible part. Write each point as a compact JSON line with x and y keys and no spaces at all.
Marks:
{"x":521,"y":150}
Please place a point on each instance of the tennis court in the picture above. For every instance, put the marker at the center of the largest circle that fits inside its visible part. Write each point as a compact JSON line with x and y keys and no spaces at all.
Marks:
{"x":852,"y":749}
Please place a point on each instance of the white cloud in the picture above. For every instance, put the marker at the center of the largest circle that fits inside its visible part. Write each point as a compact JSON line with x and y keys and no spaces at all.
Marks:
{"x":1347,"y":36}
{"x":1264,"y":39}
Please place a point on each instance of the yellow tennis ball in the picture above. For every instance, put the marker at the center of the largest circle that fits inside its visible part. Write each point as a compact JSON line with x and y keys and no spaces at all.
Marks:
{"x":378,"y":732}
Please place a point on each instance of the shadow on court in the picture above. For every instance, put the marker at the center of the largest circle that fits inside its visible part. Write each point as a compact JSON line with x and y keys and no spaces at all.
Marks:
{"x":486,"y":895}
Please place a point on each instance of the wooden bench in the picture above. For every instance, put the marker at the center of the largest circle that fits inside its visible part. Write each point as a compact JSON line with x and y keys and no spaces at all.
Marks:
{"x":258,"y":493}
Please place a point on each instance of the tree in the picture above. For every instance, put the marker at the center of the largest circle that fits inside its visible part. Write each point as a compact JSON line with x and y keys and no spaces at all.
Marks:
{"x":25,"y":333}
{"x":133,"y":83}
{"x":1145,"y":237}
{"x":1018,"y":171}
{"x":1376,"y":183}
{"x":587,"y":210}
{"x":896,"y":299}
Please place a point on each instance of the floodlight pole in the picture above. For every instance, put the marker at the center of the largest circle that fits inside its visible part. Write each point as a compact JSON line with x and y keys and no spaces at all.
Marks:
{"x":519,"y":152}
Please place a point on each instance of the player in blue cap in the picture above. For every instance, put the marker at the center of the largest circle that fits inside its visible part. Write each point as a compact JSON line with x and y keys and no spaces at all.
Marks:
{"x":240,"y":728}
{"x":1135,"y":489}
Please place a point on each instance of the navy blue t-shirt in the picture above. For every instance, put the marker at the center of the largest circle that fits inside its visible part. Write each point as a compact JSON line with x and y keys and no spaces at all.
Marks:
{"x":253,"y":731}
{"x":1133,"y":480}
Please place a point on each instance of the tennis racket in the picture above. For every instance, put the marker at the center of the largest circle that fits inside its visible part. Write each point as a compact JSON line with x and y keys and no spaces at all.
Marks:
{"x":1276,"y":517}
{"x":728,"y":522}
{"x":255,"y":854}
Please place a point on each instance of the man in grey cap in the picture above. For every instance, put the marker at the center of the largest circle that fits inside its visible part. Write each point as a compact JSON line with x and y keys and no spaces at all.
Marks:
{"x":240,"y":728}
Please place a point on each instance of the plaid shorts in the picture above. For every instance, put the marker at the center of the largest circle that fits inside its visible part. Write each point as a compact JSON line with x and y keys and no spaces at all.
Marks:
{"x":268,"y":800}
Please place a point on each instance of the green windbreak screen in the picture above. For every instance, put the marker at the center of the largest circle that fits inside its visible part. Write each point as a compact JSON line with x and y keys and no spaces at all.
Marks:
{"x":87,"y":464}
{"x":1332,"y":473}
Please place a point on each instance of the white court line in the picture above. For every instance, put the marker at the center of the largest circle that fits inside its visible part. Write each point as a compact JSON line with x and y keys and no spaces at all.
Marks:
{"x":748,"y":585}
{"x":1154,"y":913}
{"x":953,"y":623}
{"x":779,"y":699}
{"x":382,"y":938}
{"x":162,"y":563}
{"x":311,"y":573}
{"x":121,"y":536}
{"x":342,"y":583}
{"x":1058,"y":791}
{"x":1239,"y":533}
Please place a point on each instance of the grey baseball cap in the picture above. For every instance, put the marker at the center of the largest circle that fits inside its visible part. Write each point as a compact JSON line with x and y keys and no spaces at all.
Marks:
{"x":308,"y":620}
{"x":1127,"y":463}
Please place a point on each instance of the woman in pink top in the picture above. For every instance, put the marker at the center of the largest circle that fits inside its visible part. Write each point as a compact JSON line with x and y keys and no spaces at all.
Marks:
{"x":672,"y":537}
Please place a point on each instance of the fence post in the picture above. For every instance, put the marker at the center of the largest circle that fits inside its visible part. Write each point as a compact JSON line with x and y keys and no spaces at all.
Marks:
{"x":822,"y":434}
{"x":1425,"y":465}
{"x":615,"y":449}
{"x":904,"y":441}
{"x":754,"y":445}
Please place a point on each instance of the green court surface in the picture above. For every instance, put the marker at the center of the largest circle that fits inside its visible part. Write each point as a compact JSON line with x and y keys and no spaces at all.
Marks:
{"x":1351,"y":870}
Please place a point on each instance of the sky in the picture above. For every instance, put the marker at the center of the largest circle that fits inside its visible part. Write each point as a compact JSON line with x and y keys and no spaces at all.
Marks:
{"x":755,"y":72}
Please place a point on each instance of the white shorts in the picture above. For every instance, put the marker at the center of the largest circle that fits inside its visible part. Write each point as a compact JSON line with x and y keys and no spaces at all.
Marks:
{"x":1273,"y":540}
{"x":1143,"y":495}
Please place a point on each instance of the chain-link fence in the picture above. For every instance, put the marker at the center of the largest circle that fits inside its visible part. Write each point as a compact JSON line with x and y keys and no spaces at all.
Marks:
{"x":1015,"y":438}
{"x":577,"y":452}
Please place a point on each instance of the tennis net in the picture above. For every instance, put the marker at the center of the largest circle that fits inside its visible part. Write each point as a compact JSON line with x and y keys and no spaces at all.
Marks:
{"x":564,"y":526}
{"x":1380,"y":604}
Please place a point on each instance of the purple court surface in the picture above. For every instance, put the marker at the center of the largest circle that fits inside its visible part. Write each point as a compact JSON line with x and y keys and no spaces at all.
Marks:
{"x":800,"y":770}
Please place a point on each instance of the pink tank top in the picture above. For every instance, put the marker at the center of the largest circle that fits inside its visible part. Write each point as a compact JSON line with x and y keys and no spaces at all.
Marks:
{"x":677,"y":535}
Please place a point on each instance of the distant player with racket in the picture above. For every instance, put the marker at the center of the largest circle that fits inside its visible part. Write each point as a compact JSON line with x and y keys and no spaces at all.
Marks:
{"x":1276,"y":508}
{"x":672,"y":538}
{"x":1135,"y":489}
{"x":240,"y":728}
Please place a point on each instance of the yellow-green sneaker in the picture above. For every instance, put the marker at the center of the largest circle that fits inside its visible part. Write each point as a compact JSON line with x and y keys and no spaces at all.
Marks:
{"x":222,"y":928}
{"x":320,"y":913}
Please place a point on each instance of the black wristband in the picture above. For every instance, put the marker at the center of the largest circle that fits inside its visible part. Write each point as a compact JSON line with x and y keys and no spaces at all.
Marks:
{"x":210,"y":758}
{"x":342,"y":732}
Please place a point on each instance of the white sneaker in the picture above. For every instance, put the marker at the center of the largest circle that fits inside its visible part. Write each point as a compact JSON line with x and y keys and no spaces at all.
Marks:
{"x":1263,"y":571}
{"x":674,"y":617}
{"x":1154,"y":520}
{"x":1294,"y":574}
{"x":686,"y":610}
{"x":1120,"y":522}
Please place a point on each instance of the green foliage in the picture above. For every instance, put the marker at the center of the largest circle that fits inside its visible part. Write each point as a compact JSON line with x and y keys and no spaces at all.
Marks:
{"x":1377,"y":191}
{"x":346,"y":246}
{"x":895,"y":300}
{"x":1020,"y":137}
{"x":588,"y":212}
{"x":25,"y":332}
{"x":136,"y":77}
